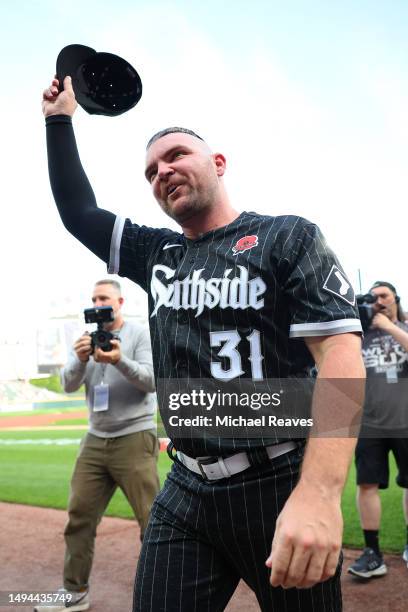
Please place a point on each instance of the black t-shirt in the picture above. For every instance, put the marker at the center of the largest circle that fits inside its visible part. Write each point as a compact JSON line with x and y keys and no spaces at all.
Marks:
{"x":386,"y":402}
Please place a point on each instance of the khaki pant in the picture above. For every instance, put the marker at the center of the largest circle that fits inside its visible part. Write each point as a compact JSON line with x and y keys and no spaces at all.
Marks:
{"x":102,"y":465}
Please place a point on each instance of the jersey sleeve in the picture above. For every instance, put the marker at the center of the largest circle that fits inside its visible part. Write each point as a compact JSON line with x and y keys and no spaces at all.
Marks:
{"x":125,"y":247}
{"x":73,"y":193}
{"x":134,"y":248}
{"x":321,"y":298}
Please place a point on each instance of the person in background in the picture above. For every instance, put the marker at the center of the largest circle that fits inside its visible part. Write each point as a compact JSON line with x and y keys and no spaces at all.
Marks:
{"x":385,"y":354}
{"x":121,"y":446}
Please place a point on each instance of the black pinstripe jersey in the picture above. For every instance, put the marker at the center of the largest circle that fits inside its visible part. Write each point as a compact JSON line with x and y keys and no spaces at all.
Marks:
{"x":237,"y":301}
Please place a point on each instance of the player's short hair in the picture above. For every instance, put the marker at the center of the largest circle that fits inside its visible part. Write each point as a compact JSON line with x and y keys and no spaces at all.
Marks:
{"x":110,"y":281}
{"x":171,"y":130}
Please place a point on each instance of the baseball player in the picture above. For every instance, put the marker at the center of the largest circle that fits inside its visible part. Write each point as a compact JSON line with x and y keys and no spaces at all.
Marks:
{"x":234,"y":296}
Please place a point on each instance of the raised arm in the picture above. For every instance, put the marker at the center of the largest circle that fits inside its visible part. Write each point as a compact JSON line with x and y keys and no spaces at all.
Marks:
{"x":72,"y":191}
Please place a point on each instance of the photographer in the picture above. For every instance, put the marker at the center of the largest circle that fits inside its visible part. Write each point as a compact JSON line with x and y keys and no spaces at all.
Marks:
{"x":121,"y":447}
{"x":385,"y":353}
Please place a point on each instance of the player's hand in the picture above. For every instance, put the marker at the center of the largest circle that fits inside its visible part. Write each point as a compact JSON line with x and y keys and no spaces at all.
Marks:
{"x":83,"y":348}
{"x":112,"y":356}
{"x":307,"y":541}
{"x":380,"y":321}
{"x":55,"y":103}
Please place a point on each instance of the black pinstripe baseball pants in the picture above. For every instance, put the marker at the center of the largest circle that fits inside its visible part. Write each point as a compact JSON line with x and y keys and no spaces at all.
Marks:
{"x":203,"y":537}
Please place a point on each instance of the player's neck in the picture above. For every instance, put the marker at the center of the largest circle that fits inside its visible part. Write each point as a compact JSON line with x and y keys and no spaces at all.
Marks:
{"x":209,"y":220}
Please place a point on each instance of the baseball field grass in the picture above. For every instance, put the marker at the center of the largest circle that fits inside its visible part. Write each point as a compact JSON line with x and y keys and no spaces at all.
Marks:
{"x":36,"y":466}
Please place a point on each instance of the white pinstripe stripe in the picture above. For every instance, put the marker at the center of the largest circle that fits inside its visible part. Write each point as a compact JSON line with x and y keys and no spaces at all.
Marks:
{"x":313,"y":603}
{"x":293,"y":484}
{"x":217,"y":519}
{"x":330,"y":254}
{"x":266,"y":355}
{"x":232,"y":241}
{"x":204,"y":266}
{"x":250,"y":323}
{"x":244,"y":561}
{"x":168,"y":555}
{"x":196,"y":526}
{"x":183,"y":553}
{"x":164,"y":355}
{"x":267,"y":544}
{"x":209,"y":316}
{"x":155,"y":557}
{"x":272,"y":345}
{"x":254,"y":559}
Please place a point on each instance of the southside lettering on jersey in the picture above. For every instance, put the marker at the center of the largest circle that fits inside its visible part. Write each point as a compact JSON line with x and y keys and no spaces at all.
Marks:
{"x":195,"y":292}
{"x":236,"y":302}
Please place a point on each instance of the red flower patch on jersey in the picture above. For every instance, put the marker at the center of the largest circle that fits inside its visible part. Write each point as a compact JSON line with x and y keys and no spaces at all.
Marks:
{"x":244,"y":244}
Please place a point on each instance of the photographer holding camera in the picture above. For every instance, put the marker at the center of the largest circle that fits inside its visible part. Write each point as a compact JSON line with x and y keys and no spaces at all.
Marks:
{"x":121,"y":447}
{"x":385,"y":353}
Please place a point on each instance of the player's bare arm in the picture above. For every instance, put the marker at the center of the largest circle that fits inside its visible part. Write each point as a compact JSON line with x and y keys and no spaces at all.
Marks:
{"x":308,"y":536}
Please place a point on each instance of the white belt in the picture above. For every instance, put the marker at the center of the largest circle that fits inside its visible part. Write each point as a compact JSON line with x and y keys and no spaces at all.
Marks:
{"x":224,"y":468}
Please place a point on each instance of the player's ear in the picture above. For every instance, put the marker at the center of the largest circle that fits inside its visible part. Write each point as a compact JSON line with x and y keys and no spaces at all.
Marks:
{"x":220,"y":163}
{"x":121,"y":300}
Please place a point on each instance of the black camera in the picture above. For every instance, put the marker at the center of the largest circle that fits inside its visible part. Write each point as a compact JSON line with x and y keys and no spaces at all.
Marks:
{"x":365,"y":305}
{"x":100,"y":337}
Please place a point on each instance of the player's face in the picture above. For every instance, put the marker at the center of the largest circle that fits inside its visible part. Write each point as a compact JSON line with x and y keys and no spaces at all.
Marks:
{"x":184,"y":175}
{"x":385,"y":303}
{"x":107,"y":295}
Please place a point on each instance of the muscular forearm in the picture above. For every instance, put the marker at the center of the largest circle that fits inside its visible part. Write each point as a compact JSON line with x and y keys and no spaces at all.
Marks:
{"x":72,"y":191}
{"x":326,"y":464}
{"x":337,"y":409}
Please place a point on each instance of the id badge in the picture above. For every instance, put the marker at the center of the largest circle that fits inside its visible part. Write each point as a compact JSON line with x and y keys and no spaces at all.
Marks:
{"x":101,"y":398}
{"x":392,"y":375}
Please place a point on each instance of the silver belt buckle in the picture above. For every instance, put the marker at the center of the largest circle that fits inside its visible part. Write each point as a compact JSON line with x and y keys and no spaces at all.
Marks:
{"x":207,"y":461}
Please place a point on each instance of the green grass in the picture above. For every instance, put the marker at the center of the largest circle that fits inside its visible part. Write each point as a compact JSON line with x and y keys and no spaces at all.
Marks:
{"x":68,"y":421}
{"x":39,"y":475}
{"x":393,"y":530}
{"x":38,"y":411}
{"x":53,"y":383}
